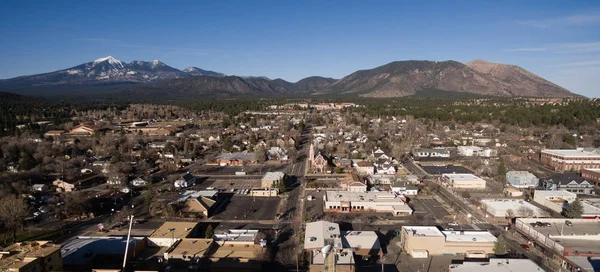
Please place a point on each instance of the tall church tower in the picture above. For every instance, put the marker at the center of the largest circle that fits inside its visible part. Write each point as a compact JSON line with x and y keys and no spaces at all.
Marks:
{"x":311,"y":153}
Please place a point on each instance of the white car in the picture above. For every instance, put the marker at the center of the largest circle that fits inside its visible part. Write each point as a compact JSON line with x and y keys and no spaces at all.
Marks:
{"x":452,"y":224}
{"x":210,"y":188}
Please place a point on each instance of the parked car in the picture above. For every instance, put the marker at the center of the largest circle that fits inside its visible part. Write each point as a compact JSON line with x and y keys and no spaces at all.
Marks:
{"x":452,"y":224}
{"x":526,"y":247}
{"x":539,"y":224}
{"x":547,"y":224}
{"x":568,"y":223}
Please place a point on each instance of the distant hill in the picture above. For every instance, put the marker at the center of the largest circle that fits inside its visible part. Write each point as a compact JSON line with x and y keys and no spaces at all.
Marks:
{"x":156,"y":80}
{"x":402,"y":78}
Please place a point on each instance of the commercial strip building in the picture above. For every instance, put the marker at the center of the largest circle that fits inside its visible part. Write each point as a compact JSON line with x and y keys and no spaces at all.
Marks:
{"x":565,"y":160}
{"x":358,"y":202}
{"x":331,"y":249}
{"x":170,"y":232}
{"x":40,"y":256}
{"x":575,"y":246}
{"x":425,"y":241}
{"x":500,"y":209}
{"x":553,"y":200}
{"x":496,"y":265}
{"x":464,"y":181}
{"x":592,"y":175}
{"x":272,"y":179}
{"x":522,"y":179}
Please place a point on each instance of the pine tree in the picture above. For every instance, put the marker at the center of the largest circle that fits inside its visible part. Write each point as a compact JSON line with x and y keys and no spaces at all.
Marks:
{"x":573,"y":210}
{"x":500,"y":246}
{"x":209,"y":232}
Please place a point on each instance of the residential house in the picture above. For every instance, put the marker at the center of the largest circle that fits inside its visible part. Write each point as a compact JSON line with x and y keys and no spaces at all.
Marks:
{"x":63,"y":186}
{"x":185,"y":181}
{"x":570,"y":182}
{"x":139,"y":182}
{"x":404,"y":188}
{"x":364,"y":168}
{"x":39,"y":187}
{"x":276,"y":153}
{"x":83,"y":130}
{"x":53,"y":133}
{"x":198,"y":202}
{"x":386,"y":169}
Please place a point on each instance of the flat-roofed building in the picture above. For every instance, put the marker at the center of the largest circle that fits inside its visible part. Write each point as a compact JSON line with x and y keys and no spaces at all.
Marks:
{"x":39,"y":256}
{"x":363,"y":242}
{"x":351,"y":202}
{"x":170,"y":232}
{"x":190,"y":248}
{"x":321,"y":233}
{"x":272,"y":179}
{"x":85,"y":253}
{"x":554,"y":200}
{"x":522,"y":179}
{"x":569,"y":242}
{"x":496,"y":265}
{"x":591,"y":208}
{"x":425,"y":241}
{"x":500,"y":209}
{"x":464,"y":181}
{"x":564,"y":160}
{"x":591,"y":174}
{"x":339,"y":260}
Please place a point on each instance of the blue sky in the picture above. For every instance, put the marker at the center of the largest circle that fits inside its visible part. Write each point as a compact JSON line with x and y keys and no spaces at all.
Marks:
{"x":558,"y":40}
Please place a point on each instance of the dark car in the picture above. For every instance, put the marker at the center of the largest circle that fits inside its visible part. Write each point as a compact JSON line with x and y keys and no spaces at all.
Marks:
{"x":539,"y":224}
{"x":547,"y":224}
{"x":569,"y":223}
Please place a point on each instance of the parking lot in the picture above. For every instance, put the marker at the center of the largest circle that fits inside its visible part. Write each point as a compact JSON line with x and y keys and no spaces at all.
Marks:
{"x":227,"y":184}
{"x":314,"y":208}
{"x":244,"y":207}
{"x":449,"y":169}
{"x":429,"y":208}
{"x":231,"y":170}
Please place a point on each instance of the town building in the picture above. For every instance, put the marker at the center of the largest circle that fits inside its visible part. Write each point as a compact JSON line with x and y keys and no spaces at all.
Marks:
{"x":53,"y":133}
{"x":185,"y":181}
{"x":476,"y":151}
{"x":171,"y":232}
{"x":501,"y":209}
{"x":425,"y":241}
{"x":522,"y":179}
{"x":571,"y":182}
{"x":99,"y":253}
{"x":264,"y":192}
{"x":235,"y":159}
{"x":364,"y":168}
{"x":553,"y":200}
{"x":565,"y":160}
{"x":404,"y":188}
{"x":39,"y":256}
{"x":39,"y":187}
{"x":423,"y":153}
{"x":574,"y":244}
{"x":464,"y":181}
{"x":591,"y":208}
{"x":511,"y":191}
{"x":353,"y":183}
{"x":592,"y":175}
{"x":272,"y":179}
{"x":200,"y":203}
{"x":496,"y":265}
{"x":358,"y":202}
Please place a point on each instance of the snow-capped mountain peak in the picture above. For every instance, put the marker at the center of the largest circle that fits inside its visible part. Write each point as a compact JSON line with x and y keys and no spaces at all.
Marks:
{"x":156,"y":63}
{"x":110,"y":60}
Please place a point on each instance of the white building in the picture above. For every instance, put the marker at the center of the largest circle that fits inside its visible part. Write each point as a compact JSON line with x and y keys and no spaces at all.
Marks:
{"x":522,"y":179}
{"x":496,"y":265}
{"x":554,"y":200}
{"x":464,"y":181}
{"x":348,"y":202}
{"x":321,"y":233}
{"x":476,"y":151}
{"x":500,"y":208}
{"x":404,"y":188}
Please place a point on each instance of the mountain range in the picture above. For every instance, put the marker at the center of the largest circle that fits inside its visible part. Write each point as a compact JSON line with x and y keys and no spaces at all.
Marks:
{"x":155,"y":79}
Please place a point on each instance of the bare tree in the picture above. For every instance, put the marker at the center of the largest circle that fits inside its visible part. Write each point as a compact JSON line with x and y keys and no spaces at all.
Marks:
{"x":13,"y":212}
{"x":525,"y":211}
{"x":510,"y":213}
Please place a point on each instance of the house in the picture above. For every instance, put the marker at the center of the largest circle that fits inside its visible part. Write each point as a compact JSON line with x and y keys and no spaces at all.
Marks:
{"x":63,"y":186}
{"x":277,"y":153}
{"x":380,"y":155}
{"x":404,"y":188}
{"x":464,"y":181}
{"x":116,"y":180}
{"x":353,"y":183}
{"x":386,"y":169}
{"x":83,"y":130}
{"x":522,"y":179}
{"x":570,"y":182}
{"x":431,"y":153}
{"x":157,"y":145}
{"x":272,"y":179}
{"x":185,"y":181}
{"x":39,"y":187}
{"x":53,"y":133}
{"x":344,"y":164}
{"x":365,"y":168}
{"x":139,"y":182}
{"x":198,"y":202}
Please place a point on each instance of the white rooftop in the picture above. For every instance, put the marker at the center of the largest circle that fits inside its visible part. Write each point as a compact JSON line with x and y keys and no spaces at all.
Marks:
{"x":554,"y":193}
{"x":424,"y":231}
{"x":462,"y":177}
{"x":321,"y":233}
{"x":189,"y":194}
{"x":469,"y":236}
{"x":371,"y":196}
{"x":236,"y":235}
{"x":591,"y":207}
{"x":497,"y":265}
{"x":498,"y":207}
{"x":273,"y":176}
{"x":597,"y":170}
{"x":572,"y":153}
{"x":361,"y":239}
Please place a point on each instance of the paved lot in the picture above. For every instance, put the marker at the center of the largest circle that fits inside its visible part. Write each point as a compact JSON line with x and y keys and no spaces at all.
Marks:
{"x":230,"y":170}
{"x":314,"y":208}
{"x":439,"y":170}
{"x":240,"y":207}
{"x":228,"y":183}
{"x":429,"y":208}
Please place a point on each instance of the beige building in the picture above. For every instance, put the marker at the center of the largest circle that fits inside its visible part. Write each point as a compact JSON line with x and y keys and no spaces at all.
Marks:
{"x":264,"y":192}
{"x":425,"y":241}
{"x":554,"y":200}
{"x":171,"y":232}
{"x":464,"y":181}
{"x":272,"y":179}
{"x":38,"y":256}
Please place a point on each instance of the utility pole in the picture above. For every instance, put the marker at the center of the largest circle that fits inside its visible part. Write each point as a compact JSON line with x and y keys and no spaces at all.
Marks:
{"x":127,"y":243}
